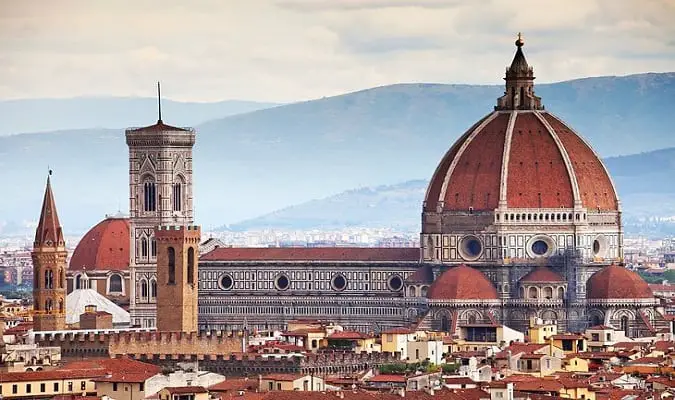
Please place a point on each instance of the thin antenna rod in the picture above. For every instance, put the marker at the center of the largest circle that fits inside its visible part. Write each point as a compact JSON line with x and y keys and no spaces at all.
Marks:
{"x":159,"y":103}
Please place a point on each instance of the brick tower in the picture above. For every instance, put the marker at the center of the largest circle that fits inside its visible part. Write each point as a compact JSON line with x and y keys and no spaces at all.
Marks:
{"x":49,"y":268}
{"x":160,"y":193}
{"x":177,"y":277}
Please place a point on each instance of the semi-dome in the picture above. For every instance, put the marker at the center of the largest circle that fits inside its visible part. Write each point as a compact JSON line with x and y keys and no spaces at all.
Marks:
{"x":104,"y":248}
{"x":615,"y":282}
{"x":520,"y":156}
{"x":542,"y":275}
{"x":462,"y":283}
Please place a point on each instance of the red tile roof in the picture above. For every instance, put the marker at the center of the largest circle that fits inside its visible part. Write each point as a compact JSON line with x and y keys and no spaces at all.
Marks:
{"x":282,"y":377}
{"x":387,"y":378}
{"x":334,"y":254}
{"x":615,"y":282}
{"x":185,"y":389}
{"x":542,"y":274}
{"x":234,"y":384}
{"x":57,"y":374}
{"x":462,"y":283}
{"x":105,"y":247}
{"x":347,"y":335}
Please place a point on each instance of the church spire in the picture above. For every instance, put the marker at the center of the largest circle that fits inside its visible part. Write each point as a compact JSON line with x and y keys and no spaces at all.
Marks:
{"x":519,"y":94}
{"x":48,"y":232}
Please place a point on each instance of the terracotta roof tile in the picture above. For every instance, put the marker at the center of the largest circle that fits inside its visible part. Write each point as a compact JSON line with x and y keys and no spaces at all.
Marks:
{"x":105,"y":247}
{"x":462,"y":283}
{"x":615,"y":282}
{"x":542,"y":274}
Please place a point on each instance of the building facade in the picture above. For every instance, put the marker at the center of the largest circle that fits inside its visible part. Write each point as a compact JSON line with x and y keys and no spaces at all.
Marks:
{"x":160,"y":193}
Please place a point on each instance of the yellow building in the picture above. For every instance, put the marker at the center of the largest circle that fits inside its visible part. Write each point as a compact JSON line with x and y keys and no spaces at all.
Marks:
{"x":396,"y":340}
{"x":290,"y":382}
{"x":576,"y":390}
{"x":183,"y":393}
{"x":41,"y":384}
{"x":539,"y":332}
{"x":569,"y":343}
{"x":574,"y":363}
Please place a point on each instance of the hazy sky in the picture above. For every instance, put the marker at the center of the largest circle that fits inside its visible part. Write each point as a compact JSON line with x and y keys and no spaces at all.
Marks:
{"x":286,"y":50}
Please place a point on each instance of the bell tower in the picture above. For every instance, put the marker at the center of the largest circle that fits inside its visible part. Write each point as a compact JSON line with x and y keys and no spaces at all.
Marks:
{"x":49,"y":268}
{"x":177,"y":277}
{"x":160,"y":193}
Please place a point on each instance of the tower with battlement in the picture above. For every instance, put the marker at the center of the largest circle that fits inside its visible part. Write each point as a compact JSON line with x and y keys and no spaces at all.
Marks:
{"x":160,"y":193}
{"x":177,"y":277}
{"x":49,"y":268}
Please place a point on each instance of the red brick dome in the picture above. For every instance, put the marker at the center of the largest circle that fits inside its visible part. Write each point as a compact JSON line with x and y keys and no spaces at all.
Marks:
{"x":462,"y":283}
{"x":615,"y":282}
{"x":520,"y":156}
{"x":542,"y":274}
{"x":104,"y":248}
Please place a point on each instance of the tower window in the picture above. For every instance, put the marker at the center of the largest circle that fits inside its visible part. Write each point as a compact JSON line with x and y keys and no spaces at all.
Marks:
{"x":49,"y":306}
{"x":144,"y":289}
{"x":153,"y":288}
{"x":172,"y":265}
{"x":49,"y":279}
{"x":177,"y":196}
{"x":153,"y":248}
{"x":191,"y":265}
{"x":149,"y":196}
{"x":144,"y":247}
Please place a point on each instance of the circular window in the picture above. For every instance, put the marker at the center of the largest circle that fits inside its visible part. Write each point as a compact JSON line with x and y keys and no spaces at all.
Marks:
{"x":226,"y":282}
{"x":282,"y":282}
{"x":395,"y":283}
{"x":339,"y":282}
{"x":596,"y":246}
{"x":600,"y":246}
{"x":470,"y":248}
{"x":539,"y":247}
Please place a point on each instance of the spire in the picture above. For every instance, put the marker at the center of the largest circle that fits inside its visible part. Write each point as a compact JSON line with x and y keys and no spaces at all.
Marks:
{"x":159,"y":104}
{"x":519,"y":94}
{"x":48,"y":232}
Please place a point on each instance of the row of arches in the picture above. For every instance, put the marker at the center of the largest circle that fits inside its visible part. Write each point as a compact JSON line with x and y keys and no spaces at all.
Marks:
{"x":50,"y":305}
{"x":542,"y":293}
{"x":417,"y":290}
{"x":50,"y":282}
{"x":552,"y":217}
{"x":147,"y":290}
{"x":148,"y":248}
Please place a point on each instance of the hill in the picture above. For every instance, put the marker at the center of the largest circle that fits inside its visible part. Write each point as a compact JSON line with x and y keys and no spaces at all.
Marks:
{"x":644,"y":181}
{"x":251,"y":164}
{"x":35,"y":115}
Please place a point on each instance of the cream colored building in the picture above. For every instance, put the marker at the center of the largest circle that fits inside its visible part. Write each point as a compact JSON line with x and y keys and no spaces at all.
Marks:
{"x":43,"y":384}
{"x":289,"y":382}
{"x":421,"y":350}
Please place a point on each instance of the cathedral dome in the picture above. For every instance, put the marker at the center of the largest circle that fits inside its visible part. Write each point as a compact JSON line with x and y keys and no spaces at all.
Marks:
{"x":615,"y":282}
{"x":520,"y":156}
{"x":462,"y":283}
{"x":104,"y":248}
{"x":542,"y":275}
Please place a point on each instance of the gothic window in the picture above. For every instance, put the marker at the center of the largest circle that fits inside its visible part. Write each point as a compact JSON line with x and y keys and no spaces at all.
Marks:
{"x":153,"y":248}
{"x":445,"y":323}
{"x":149,"y":196}
{"x":115,"y":284}
{"x":178,"y":195}
{"x":144,"y":289}
{"x":61,"y":306}
{"x":78,"y":281}
{"x":49,"y":279}
{"x":172,"y":265}
{"x":624,"y":324}
{"x":48,"y":306}
{"x":191,"y":265}
{"x":62,"y":279}
{"x":153,"y":288}
{"x":144,"y":247}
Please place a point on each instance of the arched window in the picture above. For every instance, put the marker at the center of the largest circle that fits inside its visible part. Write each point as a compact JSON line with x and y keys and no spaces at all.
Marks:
{"x":153,"y":247}
{"x":144,"y":289}
{"x":533,"y":293}
{"x":144,"y":247}
{"x":595,"y":320}
{"x":61,"y":306}
{"x":62,"y":279}
{"x":49,"y":306}
{"x":548,"y":293}
{"x":149,"y":196}
{"x":445,"y":323}
{"x":178,"y":196}
{"x":423,"y":291}
{"x":78,"y":281}
{"x":115,"y":283}
{"x":411,"y":291}
{"x":191,"y":265}
{"x":153,"y":288}
{"x":172,"y":265}
{"x":561,"y":293}
{"x":472,"y":319}
{"x":624,"y":324}
{"x":49,"y":279}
